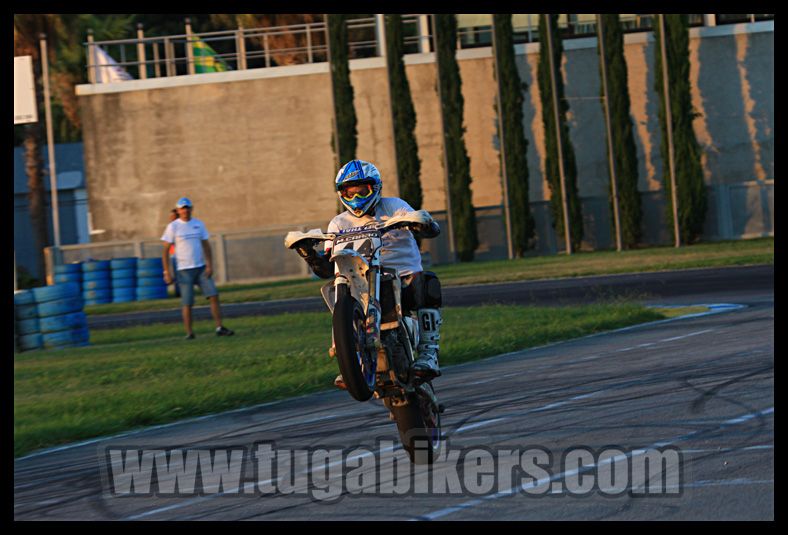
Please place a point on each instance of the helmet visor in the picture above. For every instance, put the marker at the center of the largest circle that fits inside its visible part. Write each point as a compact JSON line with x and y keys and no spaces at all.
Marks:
{"x":355,"y":191}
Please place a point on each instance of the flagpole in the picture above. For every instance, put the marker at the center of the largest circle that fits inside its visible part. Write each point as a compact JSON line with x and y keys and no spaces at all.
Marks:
{"x":50,"y":141}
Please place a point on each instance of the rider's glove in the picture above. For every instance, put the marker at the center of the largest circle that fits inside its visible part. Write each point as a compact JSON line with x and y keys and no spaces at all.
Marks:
{"x":425,"y":230}
{"x":307,"y":250}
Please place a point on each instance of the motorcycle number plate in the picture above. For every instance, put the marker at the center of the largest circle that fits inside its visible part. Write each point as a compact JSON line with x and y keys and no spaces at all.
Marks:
{"x":362,"y":242}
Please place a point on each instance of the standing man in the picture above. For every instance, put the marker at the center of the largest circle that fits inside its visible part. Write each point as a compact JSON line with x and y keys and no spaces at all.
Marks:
{"x":195,"y":264}
{"x":173,"y":217}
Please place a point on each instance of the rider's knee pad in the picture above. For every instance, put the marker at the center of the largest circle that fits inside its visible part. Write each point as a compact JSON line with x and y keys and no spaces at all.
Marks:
{"x":432,"y":295}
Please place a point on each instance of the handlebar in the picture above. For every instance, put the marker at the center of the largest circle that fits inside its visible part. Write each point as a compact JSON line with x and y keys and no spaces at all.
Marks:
{"x":394,"y":223}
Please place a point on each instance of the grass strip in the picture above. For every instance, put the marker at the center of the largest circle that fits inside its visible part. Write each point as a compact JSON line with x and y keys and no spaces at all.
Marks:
{"x":140,"y":376}
{"x":581,"y":264}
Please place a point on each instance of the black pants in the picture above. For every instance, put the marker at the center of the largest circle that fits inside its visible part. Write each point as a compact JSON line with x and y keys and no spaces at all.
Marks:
{"x":423,"y":290}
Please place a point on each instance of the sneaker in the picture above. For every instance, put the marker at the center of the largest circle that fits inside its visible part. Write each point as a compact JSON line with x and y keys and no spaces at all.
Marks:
{"x":224,"y":331}
{"x":340,"y":383}
{"x":190,"y":336}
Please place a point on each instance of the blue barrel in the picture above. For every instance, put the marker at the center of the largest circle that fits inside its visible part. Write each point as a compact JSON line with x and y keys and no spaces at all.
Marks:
{"x":26,"y":312}
{"x":55,"y":292}
{"x":24,"y":297}
{"x":68,"y":277}
{"x":150,"y":273}
{"x":124,"y":295}
{"x":150,"y":279}
{"x":124,"y":274}
{"x":97,"y":276}
{"x":30,"y":341}
{"x":151,"y":292}
{"x":101,"y":284}
{"x":95,"y":265}
{"x":149,"y":263}
{"x":64,"y":306}
{"x":124,"y":279}
{"x":68,"y":269}
{"x":64,"y":322}
{"x":123,"y":263}
{"x":100,"y":296}
{"x":151,"y":282}
{"x":26,"y":321}
{"x":54,"y":310}
{"x":72,"y":337}
{"x":97,"y":282}
{"x":30,"y":326}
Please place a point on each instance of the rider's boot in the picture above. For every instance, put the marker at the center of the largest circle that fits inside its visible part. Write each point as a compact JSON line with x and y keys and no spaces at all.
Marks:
{"x":426,"y":364}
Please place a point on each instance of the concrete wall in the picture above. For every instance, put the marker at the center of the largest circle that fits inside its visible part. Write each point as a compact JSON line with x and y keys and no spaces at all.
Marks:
{"x":253,"y":148}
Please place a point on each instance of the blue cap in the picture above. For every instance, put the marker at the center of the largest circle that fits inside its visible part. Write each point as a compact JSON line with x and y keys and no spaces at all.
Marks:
{"x":183,"y":201}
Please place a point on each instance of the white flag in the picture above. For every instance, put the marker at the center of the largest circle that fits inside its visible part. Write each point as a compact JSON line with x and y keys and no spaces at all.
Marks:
{"x":107,"y":69}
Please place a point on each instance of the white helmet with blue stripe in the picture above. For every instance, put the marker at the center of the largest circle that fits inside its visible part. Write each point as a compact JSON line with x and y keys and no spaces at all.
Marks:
{"x":359,"y":172}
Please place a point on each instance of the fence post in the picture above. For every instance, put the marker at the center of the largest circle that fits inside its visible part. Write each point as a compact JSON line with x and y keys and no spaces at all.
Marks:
{"x":91,"y":58}
{"x":53,"y":256}
{"x":310,"y":59}
{"x":221,"y":258}
{"x":168,"y":70}
{"x":424,"y":34}
{"x":156,"y":68}
{"x":143,"y":67}
{"x":240,"y":48}
{"x":189,"y":51}
{"x":265,"y":46}
{"x":138,"y":249}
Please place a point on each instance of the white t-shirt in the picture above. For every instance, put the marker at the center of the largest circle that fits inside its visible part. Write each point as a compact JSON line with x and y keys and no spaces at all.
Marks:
{"x":187,"y":237}
{"x":400,"y":249}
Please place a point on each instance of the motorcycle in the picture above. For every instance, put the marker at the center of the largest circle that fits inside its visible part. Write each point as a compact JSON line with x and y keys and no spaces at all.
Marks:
{"x":374,"y":343}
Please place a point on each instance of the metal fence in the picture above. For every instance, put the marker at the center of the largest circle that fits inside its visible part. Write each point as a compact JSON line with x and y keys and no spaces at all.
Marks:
{"x":744,"y":210}
{"x":252,"y":48}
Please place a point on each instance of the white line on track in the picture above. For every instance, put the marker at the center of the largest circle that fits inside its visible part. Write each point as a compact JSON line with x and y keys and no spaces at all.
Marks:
{"x":440,"y":513}
{"x":730,"y":450}
{"x":702,"y":484}
{"x":686,"y":335}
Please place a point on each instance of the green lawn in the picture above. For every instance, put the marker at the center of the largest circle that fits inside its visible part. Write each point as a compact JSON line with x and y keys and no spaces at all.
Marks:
{"x":718,"y":254}
{"x":139,"y":376}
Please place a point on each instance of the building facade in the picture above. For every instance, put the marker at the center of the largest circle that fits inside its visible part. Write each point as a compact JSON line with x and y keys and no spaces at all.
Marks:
{"x":252,"y":148}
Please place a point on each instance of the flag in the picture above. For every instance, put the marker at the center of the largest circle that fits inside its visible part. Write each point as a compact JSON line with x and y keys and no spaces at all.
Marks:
{"x":206,"y":59}
{"x":107,"y":69}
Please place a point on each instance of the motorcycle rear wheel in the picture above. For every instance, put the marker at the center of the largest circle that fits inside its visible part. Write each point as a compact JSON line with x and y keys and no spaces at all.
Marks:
{"x":419,"y":427}
{"x":356,"y":365}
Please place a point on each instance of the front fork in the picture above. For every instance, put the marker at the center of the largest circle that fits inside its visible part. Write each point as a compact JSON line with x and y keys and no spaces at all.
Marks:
{"x":373,"y":311}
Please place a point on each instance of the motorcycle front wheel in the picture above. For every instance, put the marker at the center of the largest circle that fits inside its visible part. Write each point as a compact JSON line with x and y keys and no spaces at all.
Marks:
{"x":356,"y":364}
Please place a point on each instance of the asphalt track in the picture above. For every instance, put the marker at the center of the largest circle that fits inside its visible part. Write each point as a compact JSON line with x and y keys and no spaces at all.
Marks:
{"x":702,"y":386}
{"x":689,"y":285}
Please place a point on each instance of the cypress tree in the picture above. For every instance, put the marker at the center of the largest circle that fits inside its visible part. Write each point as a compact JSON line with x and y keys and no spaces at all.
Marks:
{"x":691,"y":190}
{"x":459,"y":165}
{"x":404,"y":116}
{"x":515,"y":145}
{"x":624,"y":151}
{"x":551,"y":147}
{"x":343,"y":91}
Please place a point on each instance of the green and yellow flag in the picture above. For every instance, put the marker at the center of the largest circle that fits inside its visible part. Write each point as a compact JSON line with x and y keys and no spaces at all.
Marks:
{"x":206,"y":58}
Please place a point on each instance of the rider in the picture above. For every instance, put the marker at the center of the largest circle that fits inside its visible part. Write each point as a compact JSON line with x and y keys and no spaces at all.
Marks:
{"x":358,"y":185}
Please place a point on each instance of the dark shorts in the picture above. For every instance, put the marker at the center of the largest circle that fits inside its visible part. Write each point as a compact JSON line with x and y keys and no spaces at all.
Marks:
{"x":187,"y":278}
